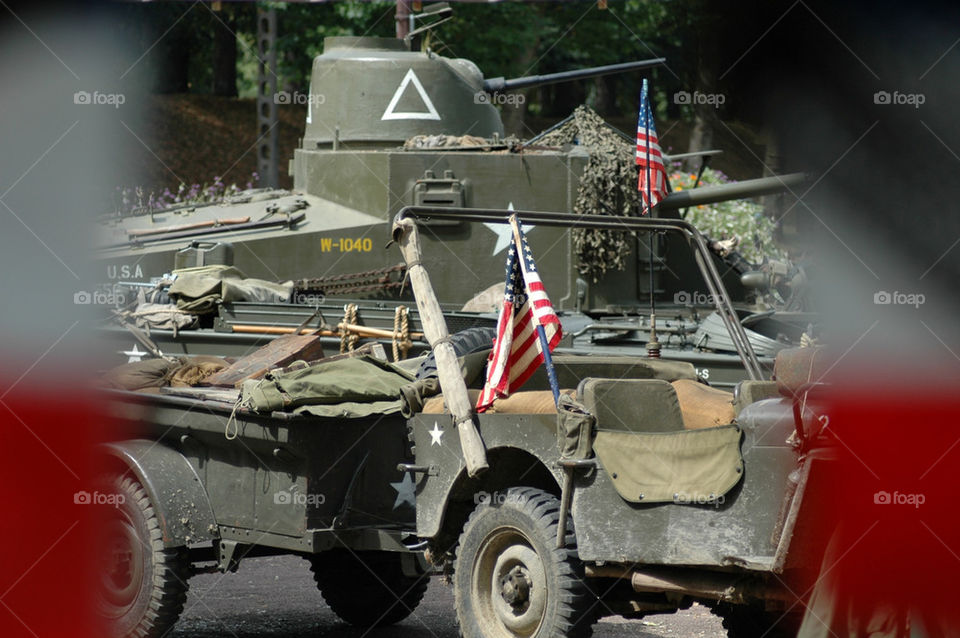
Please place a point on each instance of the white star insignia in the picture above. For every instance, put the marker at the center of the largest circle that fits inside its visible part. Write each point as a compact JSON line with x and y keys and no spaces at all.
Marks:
{"x":134,"y":356}
{"x":435,"y":434}
{"x":504,"y":232}
{"x":406,"y":491}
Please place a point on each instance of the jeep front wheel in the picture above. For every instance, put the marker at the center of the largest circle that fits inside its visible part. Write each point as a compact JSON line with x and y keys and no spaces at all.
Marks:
{"x":511,"y":581}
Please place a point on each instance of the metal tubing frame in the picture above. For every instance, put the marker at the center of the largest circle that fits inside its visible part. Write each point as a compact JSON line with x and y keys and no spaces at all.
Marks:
{"x":702,"y":253}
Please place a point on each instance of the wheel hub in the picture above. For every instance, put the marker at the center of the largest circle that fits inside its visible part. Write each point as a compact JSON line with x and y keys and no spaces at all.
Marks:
{"x":515,"y":588}
{"x":510,"y":586}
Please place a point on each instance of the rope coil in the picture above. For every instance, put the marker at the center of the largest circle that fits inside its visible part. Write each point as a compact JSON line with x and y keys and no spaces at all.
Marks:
{"x":348,"y":338}
{"x":401,"y":333}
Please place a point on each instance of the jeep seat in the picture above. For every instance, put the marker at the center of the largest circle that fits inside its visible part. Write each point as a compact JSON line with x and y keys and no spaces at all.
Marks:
{"x":632,"y":405}
{"x":653,"y":450}
{"x":655,"y":405}
{"x":795,"y":368}
{"x":703,"y":406}
{"x":527,"y":402}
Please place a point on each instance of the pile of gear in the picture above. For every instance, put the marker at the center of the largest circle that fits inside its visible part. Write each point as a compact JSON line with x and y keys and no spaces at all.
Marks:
{"x":177,"y":303}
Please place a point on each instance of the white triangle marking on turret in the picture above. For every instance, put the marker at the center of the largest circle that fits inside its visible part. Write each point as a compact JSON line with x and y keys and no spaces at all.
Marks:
{"x":390,"y":114}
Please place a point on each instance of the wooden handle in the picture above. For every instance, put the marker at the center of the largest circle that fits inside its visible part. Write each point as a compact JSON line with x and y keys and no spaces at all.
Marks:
{"x":435,"y":329}
{"x":279,"y":330}
{"x":363,"y":331}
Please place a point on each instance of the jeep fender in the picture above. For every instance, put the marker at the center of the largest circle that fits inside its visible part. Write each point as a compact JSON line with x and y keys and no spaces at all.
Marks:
{"x":509,"y":467}
{"x":175,"y":490}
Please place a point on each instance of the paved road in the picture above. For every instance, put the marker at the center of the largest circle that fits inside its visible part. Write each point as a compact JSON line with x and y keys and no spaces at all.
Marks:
{"x":276,"y":597}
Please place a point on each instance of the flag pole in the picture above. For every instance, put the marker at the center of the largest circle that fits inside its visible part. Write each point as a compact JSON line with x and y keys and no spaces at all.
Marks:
{"x":541,"y":333}
{"x":653,"y":346}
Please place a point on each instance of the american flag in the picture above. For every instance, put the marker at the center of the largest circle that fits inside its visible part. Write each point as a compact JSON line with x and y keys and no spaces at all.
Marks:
{"x":653,"y":174}
{"x":517,"y":351}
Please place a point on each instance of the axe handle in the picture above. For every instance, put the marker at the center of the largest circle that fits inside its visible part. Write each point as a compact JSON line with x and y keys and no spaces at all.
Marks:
{"x":363,"y":331}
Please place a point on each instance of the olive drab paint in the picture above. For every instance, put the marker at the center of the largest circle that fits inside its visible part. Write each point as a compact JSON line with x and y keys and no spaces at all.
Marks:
{"x":351,"y":175}
{"x":377,"y":94}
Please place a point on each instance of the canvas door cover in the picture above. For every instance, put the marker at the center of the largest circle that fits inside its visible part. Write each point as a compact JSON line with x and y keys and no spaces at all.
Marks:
{"x":342,"y":388}
{"x":688,"y":466}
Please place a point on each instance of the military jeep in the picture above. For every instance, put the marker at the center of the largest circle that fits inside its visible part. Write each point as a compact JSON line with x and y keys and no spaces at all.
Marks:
{"x":646,"y":490}
{"x":642,"y":492}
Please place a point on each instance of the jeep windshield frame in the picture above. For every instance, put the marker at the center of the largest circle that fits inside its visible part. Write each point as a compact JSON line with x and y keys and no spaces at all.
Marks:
{"x":701,"y":252}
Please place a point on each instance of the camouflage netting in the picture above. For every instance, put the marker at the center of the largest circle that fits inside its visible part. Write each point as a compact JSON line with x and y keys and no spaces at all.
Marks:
{"x":608,"y":187}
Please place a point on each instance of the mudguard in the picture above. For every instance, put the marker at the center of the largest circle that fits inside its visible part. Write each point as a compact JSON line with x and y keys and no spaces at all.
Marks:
{"x":175,"y":490}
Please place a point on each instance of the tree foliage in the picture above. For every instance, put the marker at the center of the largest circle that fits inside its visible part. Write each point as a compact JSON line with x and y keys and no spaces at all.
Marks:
{"x":507,"y":39}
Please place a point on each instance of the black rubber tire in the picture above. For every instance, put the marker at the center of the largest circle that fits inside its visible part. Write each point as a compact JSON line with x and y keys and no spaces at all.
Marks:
{"x":464,"y":342}
{"x":749,"y":621}
{"x":367,"y":588}
{"x":519,"y":532}
{"x":142,"y":586}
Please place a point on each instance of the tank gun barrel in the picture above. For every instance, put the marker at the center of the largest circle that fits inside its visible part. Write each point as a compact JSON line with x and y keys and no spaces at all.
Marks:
{"x":726,"y":192}
{"x":493,"y":85}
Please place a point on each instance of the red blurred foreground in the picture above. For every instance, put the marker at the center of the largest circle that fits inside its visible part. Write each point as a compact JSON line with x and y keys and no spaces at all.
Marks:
{"x":890,"y":514}
{"x":45,"y":560}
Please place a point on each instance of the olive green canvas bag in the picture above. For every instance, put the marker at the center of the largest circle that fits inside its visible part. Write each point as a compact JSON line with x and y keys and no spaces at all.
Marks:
{"x":343,"y":388}
{"x":574,"y":429}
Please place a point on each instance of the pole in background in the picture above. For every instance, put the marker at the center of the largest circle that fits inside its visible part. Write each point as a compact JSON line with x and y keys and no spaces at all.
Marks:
{"x":403,"y":18}
{"x":267,"y":130}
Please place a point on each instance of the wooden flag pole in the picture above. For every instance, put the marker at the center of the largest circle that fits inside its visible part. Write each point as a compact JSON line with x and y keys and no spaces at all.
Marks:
{"x":544,"y":344}
{"x":435,"y":330}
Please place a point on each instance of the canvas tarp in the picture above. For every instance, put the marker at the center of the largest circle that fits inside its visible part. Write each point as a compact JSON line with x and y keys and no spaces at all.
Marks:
{"x":158,"y":373}
{"x":162,"y":317}
{"x":690,"y":466}
{"x":199,"y":290}
{"x":343,"y":388}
